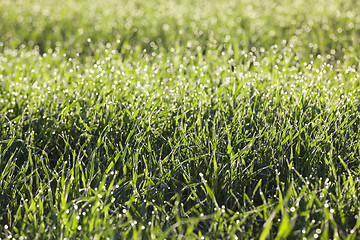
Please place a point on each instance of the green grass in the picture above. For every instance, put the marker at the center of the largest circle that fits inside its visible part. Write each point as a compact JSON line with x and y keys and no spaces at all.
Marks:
{"x":179,"y":119}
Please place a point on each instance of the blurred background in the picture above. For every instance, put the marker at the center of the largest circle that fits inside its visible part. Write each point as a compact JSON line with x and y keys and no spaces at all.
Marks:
{"x":309,"y":27}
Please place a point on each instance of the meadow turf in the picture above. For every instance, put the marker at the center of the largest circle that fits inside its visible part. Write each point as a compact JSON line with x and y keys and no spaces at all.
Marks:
{"x":174,"y":119}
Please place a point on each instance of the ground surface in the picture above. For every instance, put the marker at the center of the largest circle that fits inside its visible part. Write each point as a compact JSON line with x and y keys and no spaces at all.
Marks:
{"x":179,"y":119}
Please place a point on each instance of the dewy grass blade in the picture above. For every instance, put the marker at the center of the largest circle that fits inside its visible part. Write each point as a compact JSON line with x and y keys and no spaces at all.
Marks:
{"x":192,"y":119}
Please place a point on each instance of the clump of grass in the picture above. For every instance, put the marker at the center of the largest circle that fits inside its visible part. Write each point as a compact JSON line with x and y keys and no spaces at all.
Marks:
{"x":193,"y":120}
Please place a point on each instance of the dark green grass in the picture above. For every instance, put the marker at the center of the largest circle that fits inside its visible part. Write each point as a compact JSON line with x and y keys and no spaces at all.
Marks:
{"x":179,"y":120}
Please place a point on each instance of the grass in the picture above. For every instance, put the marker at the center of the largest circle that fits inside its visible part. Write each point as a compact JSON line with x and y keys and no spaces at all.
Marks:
{"x":171,"y":120}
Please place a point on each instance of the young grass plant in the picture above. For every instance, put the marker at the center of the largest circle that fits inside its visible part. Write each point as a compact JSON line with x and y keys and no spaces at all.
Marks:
{"x":226,"y":120}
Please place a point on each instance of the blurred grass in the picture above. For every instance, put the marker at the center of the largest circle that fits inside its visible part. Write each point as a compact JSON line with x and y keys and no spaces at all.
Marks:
{"x":311,"y":29}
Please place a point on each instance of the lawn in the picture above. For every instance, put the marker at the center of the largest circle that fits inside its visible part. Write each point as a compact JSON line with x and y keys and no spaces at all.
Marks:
{"x":234,"y":119}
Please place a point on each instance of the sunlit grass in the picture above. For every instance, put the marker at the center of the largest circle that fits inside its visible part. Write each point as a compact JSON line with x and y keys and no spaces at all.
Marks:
{"x":195,"y":120}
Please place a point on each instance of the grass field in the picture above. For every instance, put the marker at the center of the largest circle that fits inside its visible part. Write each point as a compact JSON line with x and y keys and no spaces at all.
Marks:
{"x":175,"y":119}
